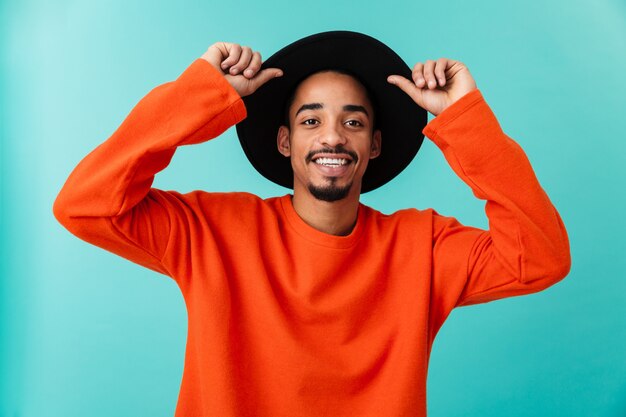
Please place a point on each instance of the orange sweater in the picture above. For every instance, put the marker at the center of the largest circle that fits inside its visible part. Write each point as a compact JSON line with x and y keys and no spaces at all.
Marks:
{"x":285,"y":320}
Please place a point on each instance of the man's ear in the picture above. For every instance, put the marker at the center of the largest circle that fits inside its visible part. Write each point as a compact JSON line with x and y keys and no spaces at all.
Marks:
{"x":282,"y":140}
{"x":376,"y":144}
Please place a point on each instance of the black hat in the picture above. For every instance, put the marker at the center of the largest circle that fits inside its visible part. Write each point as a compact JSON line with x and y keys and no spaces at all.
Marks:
{"x":398,"y":117}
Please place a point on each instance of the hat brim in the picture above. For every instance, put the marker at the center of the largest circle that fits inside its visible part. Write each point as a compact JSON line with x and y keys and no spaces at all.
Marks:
{"x":399,"y":119}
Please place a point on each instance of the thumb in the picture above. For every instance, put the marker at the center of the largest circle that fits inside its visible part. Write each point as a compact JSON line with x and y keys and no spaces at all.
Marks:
{"x":408,"y":87}
{"x":264,"y":76}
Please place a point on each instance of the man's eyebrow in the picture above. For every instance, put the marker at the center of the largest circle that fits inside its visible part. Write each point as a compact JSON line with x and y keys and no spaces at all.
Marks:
{"x":318,"y":106}
{"x":310,"y":106}
{"x":355,"y":107}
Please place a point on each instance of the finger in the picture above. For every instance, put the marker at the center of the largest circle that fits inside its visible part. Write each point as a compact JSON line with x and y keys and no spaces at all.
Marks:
{"x":254,"y":65}
{"x":264,"y":76}
{"x":440,"y":71}
{"x":429,"y":74}
{"x":407,"y":86}
{"x":244,"y":60}
{"x":215,"y":54}
{"x":222,"y":48}
{"x":234,"y":52}
{"x":418,"y":75}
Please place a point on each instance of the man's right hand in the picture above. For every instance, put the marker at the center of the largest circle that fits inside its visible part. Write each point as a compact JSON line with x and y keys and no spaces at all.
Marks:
{"x":240,"y":65}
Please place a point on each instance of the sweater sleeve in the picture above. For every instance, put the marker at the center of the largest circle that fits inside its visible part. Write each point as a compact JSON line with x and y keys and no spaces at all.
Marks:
{"x":108,"y":200}
{"x":526,"y":248}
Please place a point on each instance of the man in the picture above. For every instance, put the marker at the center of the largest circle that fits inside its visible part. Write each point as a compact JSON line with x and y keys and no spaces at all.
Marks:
{"x":313,"y":304}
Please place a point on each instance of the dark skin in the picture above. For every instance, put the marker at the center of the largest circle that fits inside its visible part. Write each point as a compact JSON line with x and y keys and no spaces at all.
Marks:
{"x":330,"y":111}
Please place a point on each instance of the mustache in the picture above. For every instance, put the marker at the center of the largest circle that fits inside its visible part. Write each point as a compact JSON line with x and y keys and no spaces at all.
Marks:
{"x":337,"y":150}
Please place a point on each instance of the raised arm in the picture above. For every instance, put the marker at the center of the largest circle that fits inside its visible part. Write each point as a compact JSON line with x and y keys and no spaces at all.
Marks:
{"x":108,"y":200}
{"x":526,"y":248}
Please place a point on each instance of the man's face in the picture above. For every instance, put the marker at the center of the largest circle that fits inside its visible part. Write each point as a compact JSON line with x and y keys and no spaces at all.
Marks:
{"x":331,"y":137}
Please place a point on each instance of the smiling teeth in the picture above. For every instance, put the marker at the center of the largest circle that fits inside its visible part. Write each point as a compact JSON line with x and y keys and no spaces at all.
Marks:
{"x":331,"y":161}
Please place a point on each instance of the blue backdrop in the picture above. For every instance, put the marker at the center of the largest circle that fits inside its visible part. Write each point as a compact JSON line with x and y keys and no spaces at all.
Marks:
{"x":84,"y":333}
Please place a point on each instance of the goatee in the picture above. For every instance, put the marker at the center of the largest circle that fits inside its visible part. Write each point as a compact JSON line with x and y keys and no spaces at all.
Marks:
{"x":330,"y":192}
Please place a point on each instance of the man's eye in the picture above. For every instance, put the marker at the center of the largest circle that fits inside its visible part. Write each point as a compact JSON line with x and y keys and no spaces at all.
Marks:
{"x":310,"y":122}
{"x":354,"y":123}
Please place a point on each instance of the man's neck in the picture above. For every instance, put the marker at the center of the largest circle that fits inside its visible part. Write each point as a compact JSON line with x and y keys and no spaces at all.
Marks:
{"x":335,"y":218}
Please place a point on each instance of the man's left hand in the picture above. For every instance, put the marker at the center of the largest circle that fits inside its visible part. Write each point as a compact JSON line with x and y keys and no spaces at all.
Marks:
{"x":436,"y":84}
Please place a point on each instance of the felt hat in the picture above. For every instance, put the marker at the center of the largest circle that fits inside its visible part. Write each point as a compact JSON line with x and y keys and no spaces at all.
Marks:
{"x":397,"y":116}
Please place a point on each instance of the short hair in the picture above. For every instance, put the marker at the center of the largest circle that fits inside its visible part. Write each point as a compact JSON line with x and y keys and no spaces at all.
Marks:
{"x":292,"y":95}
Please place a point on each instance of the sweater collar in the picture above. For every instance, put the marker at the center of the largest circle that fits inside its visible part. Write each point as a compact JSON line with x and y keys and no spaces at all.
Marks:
{"x":318,"y":237}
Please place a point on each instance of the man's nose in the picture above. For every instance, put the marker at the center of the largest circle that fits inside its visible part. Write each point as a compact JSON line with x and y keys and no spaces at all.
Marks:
{"x":332,"y":136}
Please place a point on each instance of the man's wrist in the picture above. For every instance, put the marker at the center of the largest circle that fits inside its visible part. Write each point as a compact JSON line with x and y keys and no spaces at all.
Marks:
{"x":453,"y":111}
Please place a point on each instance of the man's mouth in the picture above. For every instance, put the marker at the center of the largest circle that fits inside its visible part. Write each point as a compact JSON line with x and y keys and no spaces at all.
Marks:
{"x":331,"y":162}
{"x":332,"y":157}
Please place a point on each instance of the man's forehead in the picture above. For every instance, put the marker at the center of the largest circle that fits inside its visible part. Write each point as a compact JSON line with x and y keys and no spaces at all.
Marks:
{"x":332,"y":78}
{"x":331,"y":82}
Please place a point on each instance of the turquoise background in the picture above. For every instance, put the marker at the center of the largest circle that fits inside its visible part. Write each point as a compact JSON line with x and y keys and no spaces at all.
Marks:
{"x":84,"y":333}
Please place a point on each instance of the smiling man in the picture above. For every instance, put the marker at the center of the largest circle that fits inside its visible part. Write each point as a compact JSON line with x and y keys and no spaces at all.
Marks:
{"x":313,"y":304}
{"x":330,"y":140}
{"x":323,"y":124}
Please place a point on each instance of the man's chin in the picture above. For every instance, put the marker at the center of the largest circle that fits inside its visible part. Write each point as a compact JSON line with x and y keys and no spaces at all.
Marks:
{"x":330,"y":192}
